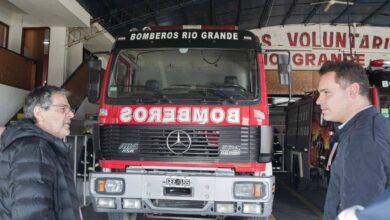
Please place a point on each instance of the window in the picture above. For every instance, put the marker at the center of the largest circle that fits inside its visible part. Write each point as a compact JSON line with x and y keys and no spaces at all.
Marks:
{"x":3,"y":35}
{"x":190,"y":75}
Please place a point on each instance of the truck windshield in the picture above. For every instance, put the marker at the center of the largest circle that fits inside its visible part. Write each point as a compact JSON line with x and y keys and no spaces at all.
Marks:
{"x":184,"y":75}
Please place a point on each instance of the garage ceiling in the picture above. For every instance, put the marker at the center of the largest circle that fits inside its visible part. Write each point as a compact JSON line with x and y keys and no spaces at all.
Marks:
{"x":119,"y":16}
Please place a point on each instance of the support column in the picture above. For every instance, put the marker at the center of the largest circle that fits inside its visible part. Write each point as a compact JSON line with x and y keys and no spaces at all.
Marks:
{"x":57,"y":56}
{"x":75,"y":58}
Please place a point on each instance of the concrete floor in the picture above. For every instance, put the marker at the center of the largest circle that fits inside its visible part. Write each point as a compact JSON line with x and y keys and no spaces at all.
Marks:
{"x":296,"y":204}
{"x":289,"y":204}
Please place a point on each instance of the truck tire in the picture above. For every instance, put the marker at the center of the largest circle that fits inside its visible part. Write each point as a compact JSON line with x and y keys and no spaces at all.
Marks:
{"x":122,"y":216}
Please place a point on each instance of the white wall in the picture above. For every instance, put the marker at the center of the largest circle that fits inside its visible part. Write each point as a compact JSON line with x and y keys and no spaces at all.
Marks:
{"x":8,"y":16}
{"x":62,"y":60}
{"x":74,"y":58}
{"x":57,"y":56}
{"x":13,"y":104}
{"x":17,"y":23}
{"x":16,"y":20}
{"x":104,"y":60}
{"x":86,"y":108}
{"x":5,"y":12}
{"x":15,"y":33}
{"x":58,"y":65}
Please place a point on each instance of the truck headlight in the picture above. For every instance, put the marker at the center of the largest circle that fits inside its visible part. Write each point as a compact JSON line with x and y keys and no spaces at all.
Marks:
{"x":251,"y":208}
{"x":110,"y":186}
{"x":222,"y":207}
{"x":131,"y":203}
{"x":250,"y":190}
{"x":108,"y":203}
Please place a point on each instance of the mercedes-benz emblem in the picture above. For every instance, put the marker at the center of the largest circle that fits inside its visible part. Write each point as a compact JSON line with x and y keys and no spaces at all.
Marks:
{"x":178,"y":142}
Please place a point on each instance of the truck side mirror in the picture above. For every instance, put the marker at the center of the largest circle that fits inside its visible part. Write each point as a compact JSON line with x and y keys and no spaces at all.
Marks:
{"x":266,"y":143}
{"x":94,"y":71}
{"x":284,"y":68}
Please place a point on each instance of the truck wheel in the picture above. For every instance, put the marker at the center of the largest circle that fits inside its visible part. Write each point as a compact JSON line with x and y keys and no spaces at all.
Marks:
{"x":122,"y":216}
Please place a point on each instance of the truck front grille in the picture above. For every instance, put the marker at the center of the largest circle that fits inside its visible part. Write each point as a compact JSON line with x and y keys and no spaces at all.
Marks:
{"x":179,"y":143}
{"x":181,"y":204}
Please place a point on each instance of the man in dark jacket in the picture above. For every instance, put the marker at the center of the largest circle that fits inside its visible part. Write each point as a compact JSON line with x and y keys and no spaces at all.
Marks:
{"x":361,"y":169}
{"x":36,"y":180}
{"x":378,"y":210}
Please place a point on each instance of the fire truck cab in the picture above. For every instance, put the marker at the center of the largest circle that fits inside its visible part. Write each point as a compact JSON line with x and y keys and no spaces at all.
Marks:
{"x":309,"y":142}
{"x":183,"y":125}
{"x":379,"y":77}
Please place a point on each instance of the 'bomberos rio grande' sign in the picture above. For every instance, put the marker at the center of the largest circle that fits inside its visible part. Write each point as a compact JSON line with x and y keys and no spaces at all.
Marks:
{"x":312,"y":45}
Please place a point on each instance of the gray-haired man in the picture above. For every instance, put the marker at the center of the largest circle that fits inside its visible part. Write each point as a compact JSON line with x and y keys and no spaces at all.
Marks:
{"x":36,"y":180}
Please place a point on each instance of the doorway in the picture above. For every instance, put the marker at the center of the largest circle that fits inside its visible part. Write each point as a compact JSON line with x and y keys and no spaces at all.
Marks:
{"x":3,"y":35}
{"x":35,"y":45}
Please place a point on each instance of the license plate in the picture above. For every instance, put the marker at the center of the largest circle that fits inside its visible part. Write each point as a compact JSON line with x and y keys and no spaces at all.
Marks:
{"x":178,"y":181}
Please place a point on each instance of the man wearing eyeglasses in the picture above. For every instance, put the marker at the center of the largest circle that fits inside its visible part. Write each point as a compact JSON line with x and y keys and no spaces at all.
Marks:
{"x":36,"y":180}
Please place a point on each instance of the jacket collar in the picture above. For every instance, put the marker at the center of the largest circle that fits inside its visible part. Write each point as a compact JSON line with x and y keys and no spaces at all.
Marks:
{"x":27,"y":128}
{"x":353,"y":121}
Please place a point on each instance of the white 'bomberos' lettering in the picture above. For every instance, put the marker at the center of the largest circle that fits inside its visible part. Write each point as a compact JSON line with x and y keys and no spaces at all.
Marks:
{"x":169,"y":115}
{"x":233,"y":115}
{"x":200,"y":115}
{"x":125,"y":114}
{"x":140,"y":114}
{"x":154,"y":36}
{"x":154,"y":114}
{"x":185,"y":35}
{"x":196,"y":115}
{"x":184,"y":115}
{"x":217,"y":115}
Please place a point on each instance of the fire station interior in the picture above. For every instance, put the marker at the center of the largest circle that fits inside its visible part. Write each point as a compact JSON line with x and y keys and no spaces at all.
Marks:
{"x":51,"y":41}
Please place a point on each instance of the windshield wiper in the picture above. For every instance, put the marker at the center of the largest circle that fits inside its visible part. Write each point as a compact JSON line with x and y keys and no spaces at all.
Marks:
{"x":242,"y":91}
{"x":207,"y":89}
{"x":235,"y":86}
{"x":160,"y":96}
{"x":220,"y":94}
{"x":186,"y":86}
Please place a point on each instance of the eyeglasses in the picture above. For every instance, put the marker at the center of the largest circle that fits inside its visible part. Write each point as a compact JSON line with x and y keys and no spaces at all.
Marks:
{"x":64,"y":109}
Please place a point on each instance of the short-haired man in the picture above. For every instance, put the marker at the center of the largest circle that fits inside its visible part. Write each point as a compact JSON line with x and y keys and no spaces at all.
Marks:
{"x":36,"y":180}
{"x":361,"y":169}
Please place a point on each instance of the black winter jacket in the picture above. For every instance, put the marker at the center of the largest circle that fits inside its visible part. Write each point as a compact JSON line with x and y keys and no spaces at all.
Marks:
{"x":361,"y":169}
{"x":36,"y":180}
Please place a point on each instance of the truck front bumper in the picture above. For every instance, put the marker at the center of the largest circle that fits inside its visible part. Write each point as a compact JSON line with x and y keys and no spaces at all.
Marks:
{"x":204,"y":192}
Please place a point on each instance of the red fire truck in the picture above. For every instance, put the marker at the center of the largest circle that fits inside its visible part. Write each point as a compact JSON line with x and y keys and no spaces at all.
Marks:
{"x":308,"y":139}
{"x":379,"y":77}
{"x":308,"y":142}
{"x":183,"y":125}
